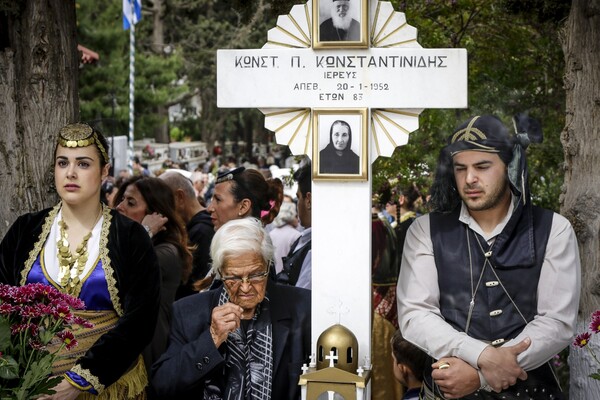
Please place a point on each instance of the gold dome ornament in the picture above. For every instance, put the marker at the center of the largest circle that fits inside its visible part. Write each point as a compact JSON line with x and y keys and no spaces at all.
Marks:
{"x":337,"y":374}
{"x":344,"y":345}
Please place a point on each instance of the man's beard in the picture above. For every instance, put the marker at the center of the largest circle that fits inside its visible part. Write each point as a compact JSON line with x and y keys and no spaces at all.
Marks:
{"x":339,"y":22}
{"x":491,"y":200}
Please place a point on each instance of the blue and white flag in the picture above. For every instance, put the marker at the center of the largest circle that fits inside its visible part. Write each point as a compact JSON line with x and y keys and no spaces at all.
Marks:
{"x":129,"y":17}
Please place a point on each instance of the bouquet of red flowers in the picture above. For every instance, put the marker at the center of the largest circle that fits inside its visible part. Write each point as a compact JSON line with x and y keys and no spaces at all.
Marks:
{"x":31,"y":316}
{"x":583,"y":339}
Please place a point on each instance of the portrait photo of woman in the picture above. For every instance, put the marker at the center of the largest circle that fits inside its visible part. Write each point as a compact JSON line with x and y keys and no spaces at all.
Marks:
{"x":337,"y":157}
{"x":340,"y":144}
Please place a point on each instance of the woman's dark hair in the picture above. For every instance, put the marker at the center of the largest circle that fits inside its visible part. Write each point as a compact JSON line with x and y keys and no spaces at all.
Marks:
{"x":159,"y":198}
{"x":104,"y":143}
{"x":264,"y":194}
{"x":106,"y":189}
{"x":411,"y":194}
{"x":347,"y":125}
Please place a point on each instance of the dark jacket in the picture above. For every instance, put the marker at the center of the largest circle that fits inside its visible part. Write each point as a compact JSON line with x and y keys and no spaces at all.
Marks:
{"x":331,"y":163}
{"x":192,"y":357}
{"x":132,"y":259}
{"x":329,"y":33}
{"x":200,"y":231}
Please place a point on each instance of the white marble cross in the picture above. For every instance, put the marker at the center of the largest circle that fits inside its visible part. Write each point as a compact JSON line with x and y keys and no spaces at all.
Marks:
{"x":394,"y":79}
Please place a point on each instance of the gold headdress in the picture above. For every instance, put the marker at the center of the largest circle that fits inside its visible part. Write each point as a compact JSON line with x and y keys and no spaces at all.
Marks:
{"x":81,"y":135}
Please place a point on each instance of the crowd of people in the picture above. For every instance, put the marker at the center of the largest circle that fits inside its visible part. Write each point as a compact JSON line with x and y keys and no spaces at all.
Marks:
{"x":199,"y":285}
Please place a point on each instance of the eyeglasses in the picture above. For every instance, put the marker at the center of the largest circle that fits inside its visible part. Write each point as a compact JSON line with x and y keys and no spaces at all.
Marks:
{"x":251,"y":279}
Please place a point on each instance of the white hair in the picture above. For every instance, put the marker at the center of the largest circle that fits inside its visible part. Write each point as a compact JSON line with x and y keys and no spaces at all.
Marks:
{"x":240,"y":236}
{"x":341,"y":22}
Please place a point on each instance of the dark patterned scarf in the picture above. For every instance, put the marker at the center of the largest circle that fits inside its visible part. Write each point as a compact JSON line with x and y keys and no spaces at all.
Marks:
{"x":249,"y":360}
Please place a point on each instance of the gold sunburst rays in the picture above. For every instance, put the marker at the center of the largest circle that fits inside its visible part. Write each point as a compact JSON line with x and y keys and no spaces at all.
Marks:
{"x":292,"y":128}
{"x":390,"y":29}
{"x":292,"y":30}
{"x":390,"y":128}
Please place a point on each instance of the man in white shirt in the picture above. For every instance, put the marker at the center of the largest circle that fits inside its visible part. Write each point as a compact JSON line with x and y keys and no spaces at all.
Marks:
{"x":489,"y":284}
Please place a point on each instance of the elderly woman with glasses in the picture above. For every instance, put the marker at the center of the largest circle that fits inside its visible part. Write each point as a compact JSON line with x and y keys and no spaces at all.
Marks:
{"x":246,"y":338}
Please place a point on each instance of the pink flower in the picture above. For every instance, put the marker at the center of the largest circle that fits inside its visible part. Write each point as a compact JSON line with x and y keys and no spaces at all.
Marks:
{"x":582,"y":339}
{"x":35,"y":313}
{"x":68,"y":339}
{"x":6,"y":309}
{"x":556,"y":361}
{"x":595,"y":323}
{"x":82,"y":322}
{"x":29,"y":312}
{"x":36,"y":345}
{"x":18,"y":328}
{"x":61,"y":311}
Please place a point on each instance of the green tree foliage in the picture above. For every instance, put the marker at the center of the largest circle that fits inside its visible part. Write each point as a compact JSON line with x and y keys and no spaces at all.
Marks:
{"x":515,"y":65}
{"x":203,"y":27}
{"x":194,"y":31}
{"x":104,"y":87}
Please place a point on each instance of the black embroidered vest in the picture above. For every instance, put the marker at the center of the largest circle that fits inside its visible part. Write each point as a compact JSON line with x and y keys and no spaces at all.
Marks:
{"x":517,"y":265}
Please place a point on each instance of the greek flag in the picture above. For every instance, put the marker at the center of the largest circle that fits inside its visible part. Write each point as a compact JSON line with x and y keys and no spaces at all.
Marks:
{"x":128,"y":17}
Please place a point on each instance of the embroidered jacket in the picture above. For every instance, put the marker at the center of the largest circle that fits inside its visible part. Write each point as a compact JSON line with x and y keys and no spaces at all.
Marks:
{"x":131,"y":272}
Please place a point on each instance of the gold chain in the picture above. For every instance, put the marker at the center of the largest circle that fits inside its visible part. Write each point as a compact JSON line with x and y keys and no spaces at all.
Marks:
{"x":70,"y":266}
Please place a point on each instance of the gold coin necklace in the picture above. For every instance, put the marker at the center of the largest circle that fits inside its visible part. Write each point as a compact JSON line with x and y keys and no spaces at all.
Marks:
{"x":71,"y":265}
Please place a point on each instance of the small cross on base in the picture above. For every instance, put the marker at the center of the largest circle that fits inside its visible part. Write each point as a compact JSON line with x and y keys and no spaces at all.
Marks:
{"x":331,"y":357}
{"x":304,"y":368}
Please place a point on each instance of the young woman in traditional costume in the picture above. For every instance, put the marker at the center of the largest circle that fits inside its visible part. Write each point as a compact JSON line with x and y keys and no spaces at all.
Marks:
{"x":85,"y":249}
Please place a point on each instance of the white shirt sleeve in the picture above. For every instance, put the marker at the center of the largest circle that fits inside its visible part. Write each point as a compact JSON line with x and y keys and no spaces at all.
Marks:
{"x":418,"y":296}
{"x":558,"y":291}
{"x":551,"y":330}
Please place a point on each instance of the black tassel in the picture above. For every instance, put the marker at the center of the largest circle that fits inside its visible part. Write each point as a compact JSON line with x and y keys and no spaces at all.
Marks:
{"x":527,"y":129}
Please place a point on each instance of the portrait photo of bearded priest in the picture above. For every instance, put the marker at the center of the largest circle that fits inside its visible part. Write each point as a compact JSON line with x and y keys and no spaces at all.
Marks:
{"x":341,"y":26}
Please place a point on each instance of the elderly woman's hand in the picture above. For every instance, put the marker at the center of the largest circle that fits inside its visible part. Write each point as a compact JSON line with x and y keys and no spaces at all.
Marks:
{"x":224,"y":319}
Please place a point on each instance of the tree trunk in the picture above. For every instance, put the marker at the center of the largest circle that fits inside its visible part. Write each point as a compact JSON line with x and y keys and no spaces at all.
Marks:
{"x":161,"y":130}
{"x":38,"y":95}
{"x":580,"y":202}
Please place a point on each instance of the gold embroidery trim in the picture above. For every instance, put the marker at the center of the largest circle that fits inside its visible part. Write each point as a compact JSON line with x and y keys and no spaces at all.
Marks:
{"x":81,"y":135}
{"x":39,"y":245}
{"x":109,"y":272}
{"x":469,"y":133}
{"x":89,"y":377}
{"x":408,"y":215}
